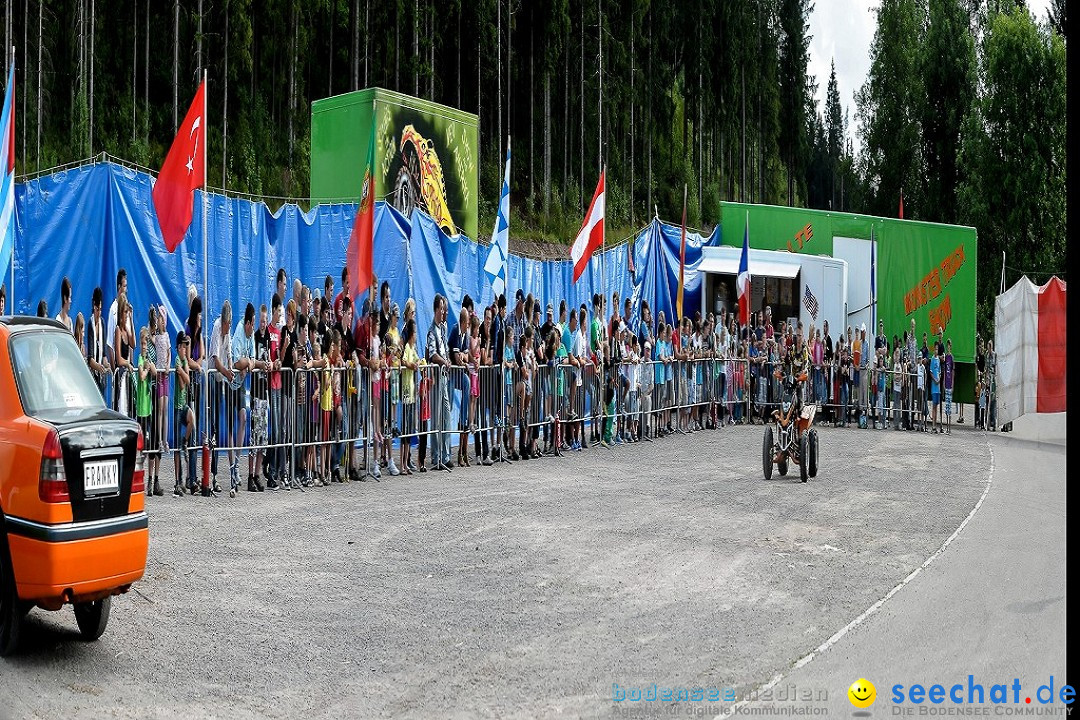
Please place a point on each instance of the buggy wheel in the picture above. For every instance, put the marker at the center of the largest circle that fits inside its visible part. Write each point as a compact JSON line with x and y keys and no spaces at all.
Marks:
{"x":767,"y":453}
{"x":804,"y":442}
{"x":782,"y":467}
{"x":813,"y":451}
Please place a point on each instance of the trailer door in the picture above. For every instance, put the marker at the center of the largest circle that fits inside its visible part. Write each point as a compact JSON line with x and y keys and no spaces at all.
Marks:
{"x":857,"y":254}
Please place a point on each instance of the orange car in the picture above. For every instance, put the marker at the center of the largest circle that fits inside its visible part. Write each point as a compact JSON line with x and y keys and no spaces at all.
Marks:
{"x":73,"y":527}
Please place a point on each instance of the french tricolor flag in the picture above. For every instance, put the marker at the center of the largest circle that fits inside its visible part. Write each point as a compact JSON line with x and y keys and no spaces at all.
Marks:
{"x":742,"y":282}
{"x":7,"y":182}
{"x":1029,"y":337}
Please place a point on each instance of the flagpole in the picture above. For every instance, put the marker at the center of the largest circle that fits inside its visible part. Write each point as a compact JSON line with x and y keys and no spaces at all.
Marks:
{"x":873,"y":283}
{"x":373,"y":316}
{"x":12,"y":286}
{"x":206,"y":286}
{"x":1002,"y":270}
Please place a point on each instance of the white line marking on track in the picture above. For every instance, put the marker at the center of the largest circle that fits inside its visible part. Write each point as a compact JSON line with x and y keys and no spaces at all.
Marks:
{"x":877,"y":605}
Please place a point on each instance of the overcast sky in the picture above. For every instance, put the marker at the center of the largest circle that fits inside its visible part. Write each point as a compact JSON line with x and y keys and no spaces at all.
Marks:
{"x":843,"y":30}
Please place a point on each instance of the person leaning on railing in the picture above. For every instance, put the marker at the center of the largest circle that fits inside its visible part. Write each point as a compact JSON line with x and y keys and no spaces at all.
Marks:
{"x":343,"y":313}
{"x":438,"y":354}
{"x":183,"y":416}
{"x":244,"y":364}
{"x":274,"y":467}
{"x":525,"y":360}
{"x":97,"y":356}
{"x":221,"y":365}
{"x":308,"y":352}
{"x":484,"y":438}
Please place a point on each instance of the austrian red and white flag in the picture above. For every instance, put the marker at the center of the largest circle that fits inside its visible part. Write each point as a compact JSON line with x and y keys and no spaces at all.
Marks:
{"x":591,"y":235}
{"x":183,"y":171}
{"x":1030,"y":343}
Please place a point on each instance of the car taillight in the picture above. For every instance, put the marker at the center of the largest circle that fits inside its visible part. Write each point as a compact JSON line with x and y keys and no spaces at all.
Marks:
{"x":52,"y":484}
{"x":138,"y":478}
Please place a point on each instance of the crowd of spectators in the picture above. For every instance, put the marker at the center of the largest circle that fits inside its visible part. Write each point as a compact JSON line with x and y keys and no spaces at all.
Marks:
{"x":309,"y":387}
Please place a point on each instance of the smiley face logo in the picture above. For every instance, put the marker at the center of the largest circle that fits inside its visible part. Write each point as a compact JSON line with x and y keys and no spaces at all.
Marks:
{"x":862,"y":693}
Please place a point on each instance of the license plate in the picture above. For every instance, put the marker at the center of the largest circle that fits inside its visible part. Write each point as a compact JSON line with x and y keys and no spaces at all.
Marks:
{"x":101,"y":476}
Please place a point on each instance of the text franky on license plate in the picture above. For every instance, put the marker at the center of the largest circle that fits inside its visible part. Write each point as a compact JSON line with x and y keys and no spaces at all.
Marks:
{"x":101,"y":476}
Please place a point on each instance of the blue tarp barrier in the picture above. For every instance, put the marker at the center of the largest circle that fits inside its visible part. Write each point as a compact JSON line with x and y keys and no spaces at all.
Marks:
{"x":88,"y":222}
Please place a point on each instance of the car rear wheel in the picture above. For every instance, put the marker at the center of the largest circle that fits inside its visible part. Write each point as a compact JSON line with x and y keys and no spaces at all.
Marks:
{"x":12,"y":610}
{"x":93,"y":617}
{"x":767,"y":453}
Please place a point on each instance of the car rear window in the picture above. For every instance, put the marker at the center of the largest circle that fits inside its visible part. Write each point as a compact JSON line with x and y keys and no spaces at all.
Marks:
{"x":51,"y":374}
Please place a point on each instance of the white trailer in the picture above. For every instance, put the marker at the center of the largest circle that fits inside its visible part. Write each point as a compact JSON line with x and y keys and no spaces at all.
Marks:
{"x":811,"y":288}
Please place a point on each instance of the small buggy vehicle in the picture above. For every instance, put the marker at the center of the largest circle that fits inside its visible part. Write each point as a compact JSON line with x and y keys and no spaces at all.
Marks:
{"x":791,"y":437}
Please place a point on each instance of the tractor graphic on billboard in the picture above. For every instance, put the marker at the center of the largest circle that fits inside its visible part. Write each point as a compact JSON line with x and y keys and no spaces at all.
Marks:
{"x":419,"y":180}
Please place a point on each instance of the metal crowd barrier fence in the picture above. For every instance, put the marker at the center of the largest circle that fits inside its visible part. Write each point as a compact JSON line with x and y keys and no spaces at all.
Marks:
{"x":297,"y":423}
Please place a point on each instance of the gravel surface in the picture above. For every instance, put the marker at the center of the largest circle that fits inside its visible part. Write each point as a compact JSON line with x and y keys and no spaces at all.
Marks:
{"x":514,"y":591}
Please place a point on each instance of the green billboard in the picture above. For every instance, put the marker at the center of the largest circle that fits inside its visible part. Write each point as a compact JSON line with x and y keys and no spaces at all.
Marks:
{"x":924,"y":271}
{"x":425,"y":155}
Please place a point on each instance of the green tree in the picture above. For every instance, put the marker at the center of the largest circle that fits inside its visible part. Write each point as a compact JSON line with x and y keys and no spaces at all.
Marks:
{"x":889,"y":110}
{"x":948,"y":71}
{"x":834,"y":129}
{"x":795,"y":93}
{"x":1013,"y":154}
{"x":1055,"y":15}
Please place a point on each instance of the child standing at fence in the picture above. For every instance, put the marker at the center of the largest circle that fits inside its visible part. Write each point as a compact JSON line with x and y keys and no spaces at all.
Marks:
{"x":560,"y":337}
{"x":326,"y":410}
{"x":146,"y":376}
{"x":390,"y":382}
{"x":410,"y":363}
{"x":898,"y":388}
{"x":337,"y":367}
{"x":163,"y":352}
{"x":183,"y":417}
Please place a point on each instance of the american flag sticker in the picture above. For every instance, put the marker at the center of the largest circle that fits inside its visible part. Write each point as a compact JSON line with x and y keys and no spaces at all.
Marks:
{"x":810,"y":302}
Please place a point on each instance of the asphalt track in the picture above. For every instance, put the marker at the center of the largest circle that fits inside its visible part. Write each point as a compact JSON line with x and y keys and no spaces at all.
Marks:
{"x":533,"y":590}
{"x":992,"y":605}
